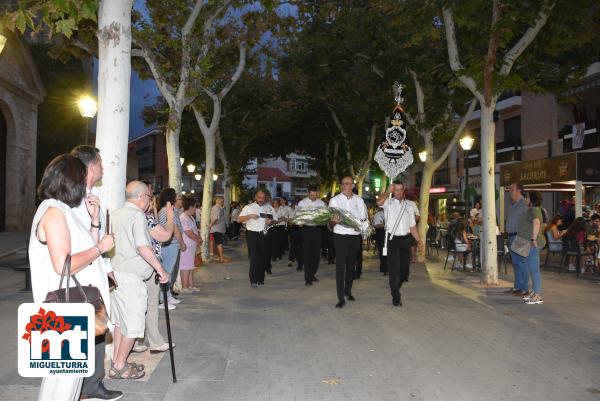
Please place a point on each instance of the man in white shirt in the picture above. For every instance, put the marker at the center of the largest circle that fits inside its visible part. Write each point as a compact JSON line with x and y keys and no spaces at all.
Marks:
{"x":347,"y":240}
{"x":311,"y":237}
{"x":257,"y":215}
{"x":90,"y":156}
{"x":400,"y":227}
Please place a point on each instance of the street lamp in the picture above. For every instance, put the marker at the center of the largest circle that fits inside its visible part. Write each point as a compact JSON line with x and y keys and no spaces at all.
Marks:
{"x":87,"y":108}
{"x":198,"y":177}
{"x":466,"y":143}
{"x":423,"y":156}
{"x":215,"y":177}
{"x":181,"y":160}
{"x":367,"y":189}
{"x":191,"y":168}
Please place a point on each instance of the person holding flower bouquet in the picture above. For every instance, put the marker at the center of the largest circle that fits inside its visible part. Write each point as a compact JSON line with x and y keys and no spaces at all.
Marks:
{"x":400,"y":228}
{"x":347,"y":239}
{"x":311,"y":236}
{"x":257,"y":216}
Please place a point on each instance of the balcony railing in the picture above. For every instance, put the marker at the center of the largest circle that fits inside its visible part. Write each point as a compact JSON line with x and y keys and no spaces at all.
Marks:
{"x":508,"y":151}
{"x":591,"y":137}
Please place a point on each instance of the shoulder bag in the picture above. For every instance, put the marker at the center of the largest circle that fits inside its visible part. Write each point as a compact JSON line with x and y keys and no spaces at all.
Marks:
{"x":80,"y":294}
{"x":521,"y":246}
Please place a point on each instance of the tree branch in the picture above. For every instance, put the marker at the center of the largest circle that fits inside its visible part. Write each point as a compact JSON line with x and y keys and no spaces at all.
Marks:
{"x":453,"y":56}
{"x":208,"y":24}
{"x":530,"y":34}
{"x":420,"y":97}
{"x":459,"y":130}
{"x":238,"y":72}
{"x":184,"y":72}
{"x":490,"y":57}
{"x":338,"y":124}
{"x":166,"y":90}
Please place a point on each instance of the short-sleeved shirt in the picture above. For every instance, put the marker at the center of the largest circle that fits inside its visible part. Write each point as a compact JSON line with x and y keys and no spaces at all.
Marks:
{"x":379,"y":218}
{"x":306,"y":203}
{"x":400,"y":216}
{"x":162,"y":220}
{"x":131,"y":231}
{"x":516,"y":211}
{"x":355,"y":206}
{"x":525,"y":226}
{"x":256,"y":225}
{"x":217,"y":213}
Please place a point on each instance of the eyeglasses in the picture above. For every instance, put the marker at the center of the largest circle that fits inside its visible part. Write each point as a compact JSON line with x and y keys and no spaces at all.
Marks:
{"x":347,"y":183}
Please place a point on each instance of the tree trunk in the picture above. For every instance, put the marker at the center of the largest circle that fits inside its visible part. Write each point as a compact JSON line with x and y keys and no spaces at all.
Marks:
{"x":489,"y":257}
{"x":422,"y":226}
{"x":333,"y":187}
{"x":172,"y":143}
{"x":114,"y":74}
{"x":360,"y":179}
{"x":226,"y":175}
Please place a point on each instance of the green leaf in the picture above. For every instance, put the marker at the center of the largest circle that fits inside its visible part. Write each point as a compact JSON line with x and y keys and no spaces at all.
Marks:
{"x":89,"y":10}
{"x":61,"y":5}
{"x":66,"y":27}
{"x":21,"y":21}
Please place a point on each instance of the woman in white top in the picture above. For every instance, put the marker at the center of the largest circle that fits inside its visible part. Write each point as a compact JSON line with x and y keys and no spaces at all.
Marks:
{"x":55,"y":233}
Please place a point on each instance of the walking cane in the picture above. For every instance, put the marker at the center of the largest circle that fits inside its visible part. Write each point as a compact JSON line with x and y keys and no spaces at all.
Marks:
{"x":164,"y":291}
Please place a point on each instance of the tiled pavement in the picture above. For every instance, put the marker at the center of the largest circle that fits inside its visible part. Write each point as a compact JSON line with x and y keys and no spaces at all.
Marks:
{"x":452,"y":340}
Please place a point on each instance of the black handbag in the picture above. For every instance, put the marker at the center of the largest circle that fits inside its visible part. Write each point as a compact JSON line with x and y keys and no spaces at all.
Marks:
{"x":80,"y":294}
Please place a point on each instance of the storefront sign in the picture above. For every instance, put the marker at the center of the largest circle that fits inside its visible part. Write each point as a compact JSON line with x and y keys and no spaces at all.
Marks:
{"x":439,"y":190}
{"x":553,"y":169}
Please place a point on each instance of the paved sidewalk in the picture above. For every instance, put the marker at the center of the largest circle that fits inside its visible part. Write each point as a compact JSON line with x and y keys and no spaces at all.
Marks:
{"x":11,"y":242}
{"x":452,"y":340}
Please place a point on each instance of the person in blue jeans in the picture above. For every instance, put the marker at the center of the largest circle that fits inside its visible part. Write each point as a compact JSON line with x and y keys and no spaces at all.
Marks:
{"x":517,"y":209}
{"x":171,"y":248}
{"x":530,"y":228}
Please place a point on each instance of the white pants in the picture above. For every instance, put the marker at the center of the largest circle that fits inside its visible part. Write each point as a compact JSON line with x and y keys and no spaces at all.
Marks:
{"x":60,"y":389}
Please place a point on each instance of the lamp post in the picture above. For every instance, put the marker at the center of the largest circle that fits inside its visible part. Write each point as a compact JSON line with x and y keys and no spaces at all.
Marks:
{"x":87,"y":108}
{"x":466,"y":143}
{"x":191,"y":167}
{"x":423,"y":156}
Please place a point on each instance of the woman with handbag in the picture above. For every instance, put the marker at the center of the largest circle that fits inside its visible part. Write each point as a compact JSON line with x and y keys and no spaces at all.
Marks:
{"x":530,"y":229}
{"x":56,"y":233}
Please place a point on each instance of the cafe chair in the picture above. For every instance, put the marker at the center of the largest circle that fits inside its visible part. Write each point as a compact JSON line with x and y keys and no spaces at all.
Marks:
{"x":502,"y":251}
{"x":571,"y":248}
{"x":554,"y":247}
{"x":431,"y":241}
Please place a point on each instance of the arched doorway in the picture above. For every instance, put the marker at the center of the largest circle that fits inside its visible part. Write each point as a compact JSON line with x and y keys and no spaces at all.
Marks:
{"x":3,"y":158}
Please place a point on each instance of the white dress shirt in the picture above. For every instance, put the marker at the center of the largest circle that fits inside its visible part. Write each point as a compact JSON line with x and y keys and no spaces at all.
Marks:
{"x":280,"y":215}
{"x":357,"y":208}
{"x":256,"y":225}
{"x":379,"y":218}
{"x":306,"y":203}
{"x":84,"y":217}
{"x":400,"y":216}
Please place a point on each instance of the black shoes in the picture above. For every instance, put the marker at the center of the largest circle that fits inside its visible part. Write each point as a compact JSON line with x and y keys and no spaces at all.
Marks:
{"x":103,"y":394}
{"x":397,"y":302}
{"x":290,"y":263}
{"x":350,"y":298}
{"x":308,"y":283}
{"x":340,"y":304}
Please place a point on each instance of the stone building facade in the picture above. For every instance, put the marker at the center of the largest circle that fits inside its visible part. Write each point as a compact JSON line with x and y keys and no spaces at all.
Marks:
{"x":21,"y":91}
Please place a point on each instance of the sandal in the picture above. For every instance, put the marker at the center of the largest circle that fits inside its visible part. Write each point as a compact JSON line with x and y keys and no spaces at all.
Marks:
{"x":128,"y":372}
{"x":137,"y":366}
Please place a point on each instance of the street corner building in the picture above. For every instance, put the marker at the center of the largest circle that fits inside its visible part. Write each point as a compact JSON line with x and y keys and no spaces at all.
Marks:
{"x":21,"y":91}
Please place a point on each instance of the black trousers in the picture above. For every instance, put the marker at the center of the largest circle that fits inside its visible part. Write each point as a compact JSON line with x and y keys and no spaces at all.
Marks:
{"x":330,"y":247}
{"x":296,"y":252}
{"x":285,"y":239}
{"x":278,"y":236}
{"x":379,"y":239}
{"x":311,"y":249}
{"x":359,"y":260}
{"x":258,"y":245}
{"x":91,"y":385}
{"x":346,"y":249}
{"x":398,"y":263}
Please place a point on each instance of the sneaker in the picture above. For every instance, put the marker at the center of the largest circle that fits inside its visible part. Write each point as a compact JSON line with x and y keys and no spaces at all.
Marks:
{"x":528,"y":296}
{"x":536,"y":299}
{"x":162,"y":348}
{"x":173,"y":301}
{"x":194,"y":289}
{"x":171,"y":306}
{"x":102,"y":393}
